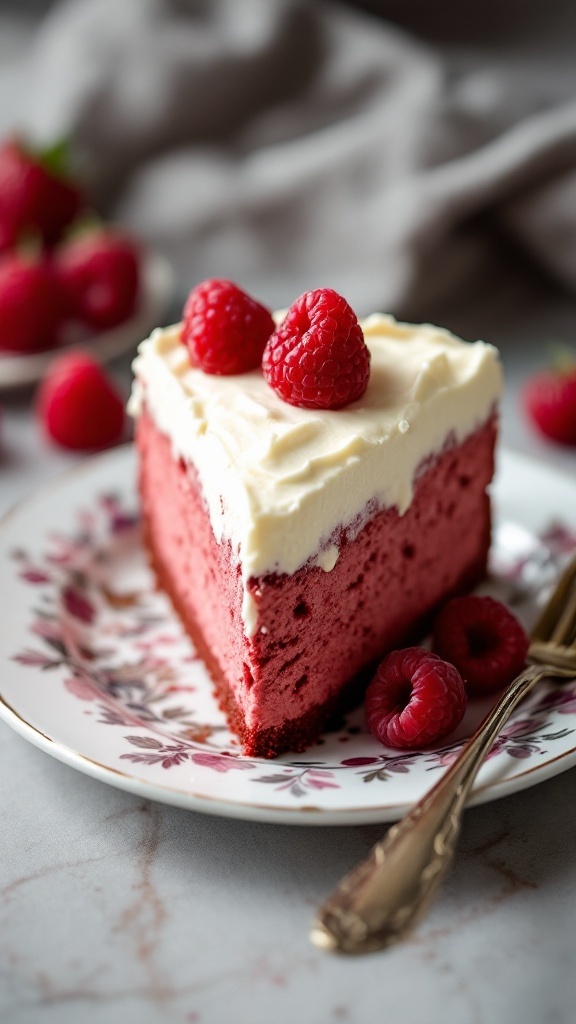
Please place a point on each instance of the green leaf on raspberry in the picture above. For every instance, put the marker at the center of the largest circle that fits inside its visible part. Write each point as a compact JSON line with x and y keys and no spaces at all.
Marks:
{"x":55,"y":158}
{"x":563,"y":357}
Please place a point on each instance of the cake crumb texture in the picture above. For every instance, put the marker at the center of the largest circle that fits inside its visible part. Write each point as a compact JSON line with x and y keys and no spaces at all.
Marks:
{"x":317,"y":632}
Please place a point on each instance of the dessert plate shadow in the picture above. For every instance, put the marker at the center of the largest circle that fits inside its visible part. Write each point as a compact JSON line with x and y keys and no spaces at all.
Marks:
{"x":20,"y":371}
{"x":97,"y":671}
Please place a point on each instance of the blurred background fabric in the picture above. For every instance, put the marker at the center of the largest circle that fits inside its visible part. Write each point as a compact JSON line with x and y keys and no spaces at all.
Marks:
{"x":401,"y":153}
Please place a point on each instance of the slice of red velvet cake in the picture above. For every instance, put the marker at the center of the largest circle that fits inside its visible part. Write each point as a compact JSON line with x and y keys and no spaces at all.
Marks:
{"x":299,"y":545}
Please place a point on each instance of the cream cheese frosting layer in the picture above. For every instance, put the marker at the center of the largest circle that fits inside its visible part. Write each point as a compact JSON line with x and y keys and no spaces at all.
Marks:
{"x":281,"y":482}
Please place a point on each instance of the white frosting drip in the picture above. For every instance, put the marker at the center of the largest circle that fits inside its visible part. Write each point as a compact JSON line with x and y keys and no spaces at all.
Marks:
{"x":327,"y":559}
{"x":279,"y":481}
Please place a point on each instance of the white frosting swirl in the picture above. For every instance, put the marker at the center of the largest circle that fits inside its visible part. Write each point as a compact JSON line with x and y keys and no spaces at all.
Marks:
{"x":278,"y":481}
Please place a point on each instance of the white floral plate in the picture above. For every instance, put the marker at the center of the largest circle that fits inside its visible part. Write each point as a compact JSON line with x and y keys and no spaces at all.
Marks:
{"x":96,"y":669}
{"x":19,"y":371}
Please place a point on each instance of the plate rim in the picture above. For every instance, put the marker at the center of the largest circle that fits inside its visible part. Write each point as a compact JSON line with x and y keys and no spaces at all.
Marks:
{"x":221,"y":807}
{"x":257,"y":812}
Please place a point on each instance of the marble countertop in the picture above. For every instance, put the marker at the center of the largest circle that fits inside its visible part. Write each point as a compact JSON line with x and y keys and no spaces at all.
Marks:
{"x":114,"y":910}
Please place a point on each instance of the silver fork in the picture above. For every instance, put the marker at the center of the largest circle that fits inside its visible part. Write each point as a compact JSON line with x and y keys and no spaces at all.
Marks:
{"x":378,"y":903}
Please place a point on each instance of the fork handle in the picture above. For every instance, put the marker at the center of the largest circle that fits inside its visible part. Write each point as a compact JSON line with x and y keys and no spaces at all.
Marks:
{"x":382,"y":899}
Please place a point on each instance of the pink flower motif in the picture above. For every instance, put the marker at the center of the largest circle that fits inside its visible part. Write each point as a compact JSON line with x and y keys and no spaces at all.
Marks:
{"x":80,"y":688}
{"x":59,"y":560}
{"x":559,"y":538}
{"x":34,"y":658}
{"x":109,"y":502}
{"x":448,"y":757}
{"x":123,"y":522}
{"x":520,"y":751}
{"x":568,"y":707}
{"x":321,"y":783}
{"x":219,"y":762}
{"x":525,"y":725}
{"x":47,"y":630}
{"x":34,"y":576}
{"x":119,"y":520}
{"x":78,"y":606}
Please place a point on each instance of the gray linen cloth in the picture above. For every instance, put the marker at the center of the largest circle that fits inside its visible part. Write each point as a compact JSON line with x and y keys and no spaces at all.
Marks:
{"x":290,"y":144}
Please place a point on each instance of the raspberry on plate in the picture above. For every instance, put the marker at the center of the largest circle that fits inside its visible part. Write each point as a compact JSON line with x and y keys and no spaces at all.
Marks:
{"x":100,"y":273}
{"x":225,"y":329}
{"x":414,"y":699}
{"x":317,"y":357}
{"x":550,"y":401}
{"x":78,"y":404}
{"x":32,"y":305}
{"x":483,"y":639}
{"x":36,"y":195}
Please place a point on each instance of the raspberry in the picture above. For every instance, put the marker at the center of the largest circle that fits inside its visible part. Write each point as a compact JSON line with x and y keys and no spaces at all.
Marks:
{"x":550,"y":401}
{"x":100,"y":273}
{"x":414,"y":699}
{"x":32,"y":305}
{"x":225,"y":329}
{"x":35,"y":194}
{"x":484,"y":641}
{"x":317,"y":357}
{"x":78,"y":405}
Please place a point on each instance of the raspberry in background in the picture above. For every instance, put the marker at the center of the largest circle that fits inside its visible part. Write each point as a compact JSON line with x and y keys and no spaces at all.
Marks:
{"x":32,"y":304}
{"x":414,"y":699}
{"x":224,"y":328}
{"x":36,"y":195}
{"x":78,"y":404}
{"x":317,"y":357}
{"x":99,"y":270}
{"x":550,"y":402}
{"x":483,"y":640}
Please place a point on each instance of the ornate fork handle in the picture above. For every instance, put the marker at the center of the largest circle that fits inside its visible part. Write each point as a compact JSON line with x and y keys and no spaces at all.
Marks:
{"x":379,"y":902}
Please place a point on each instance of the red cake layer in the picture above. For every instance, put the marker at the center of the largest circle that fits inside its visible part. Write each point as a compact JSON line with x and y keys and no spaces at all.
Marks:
{"x":320,"y":630}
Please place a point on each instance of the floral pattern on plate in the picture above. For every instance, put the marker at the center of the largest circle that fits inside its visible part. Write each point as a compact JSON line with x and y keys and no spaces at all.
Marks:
{"x":98,"y":672}
{"x":118,"y":646}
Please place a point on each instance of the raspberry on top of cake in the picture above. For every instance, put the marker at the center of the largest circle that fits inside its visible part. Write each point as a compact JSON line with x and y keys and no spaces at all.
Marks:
{"x":298,"y":544}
